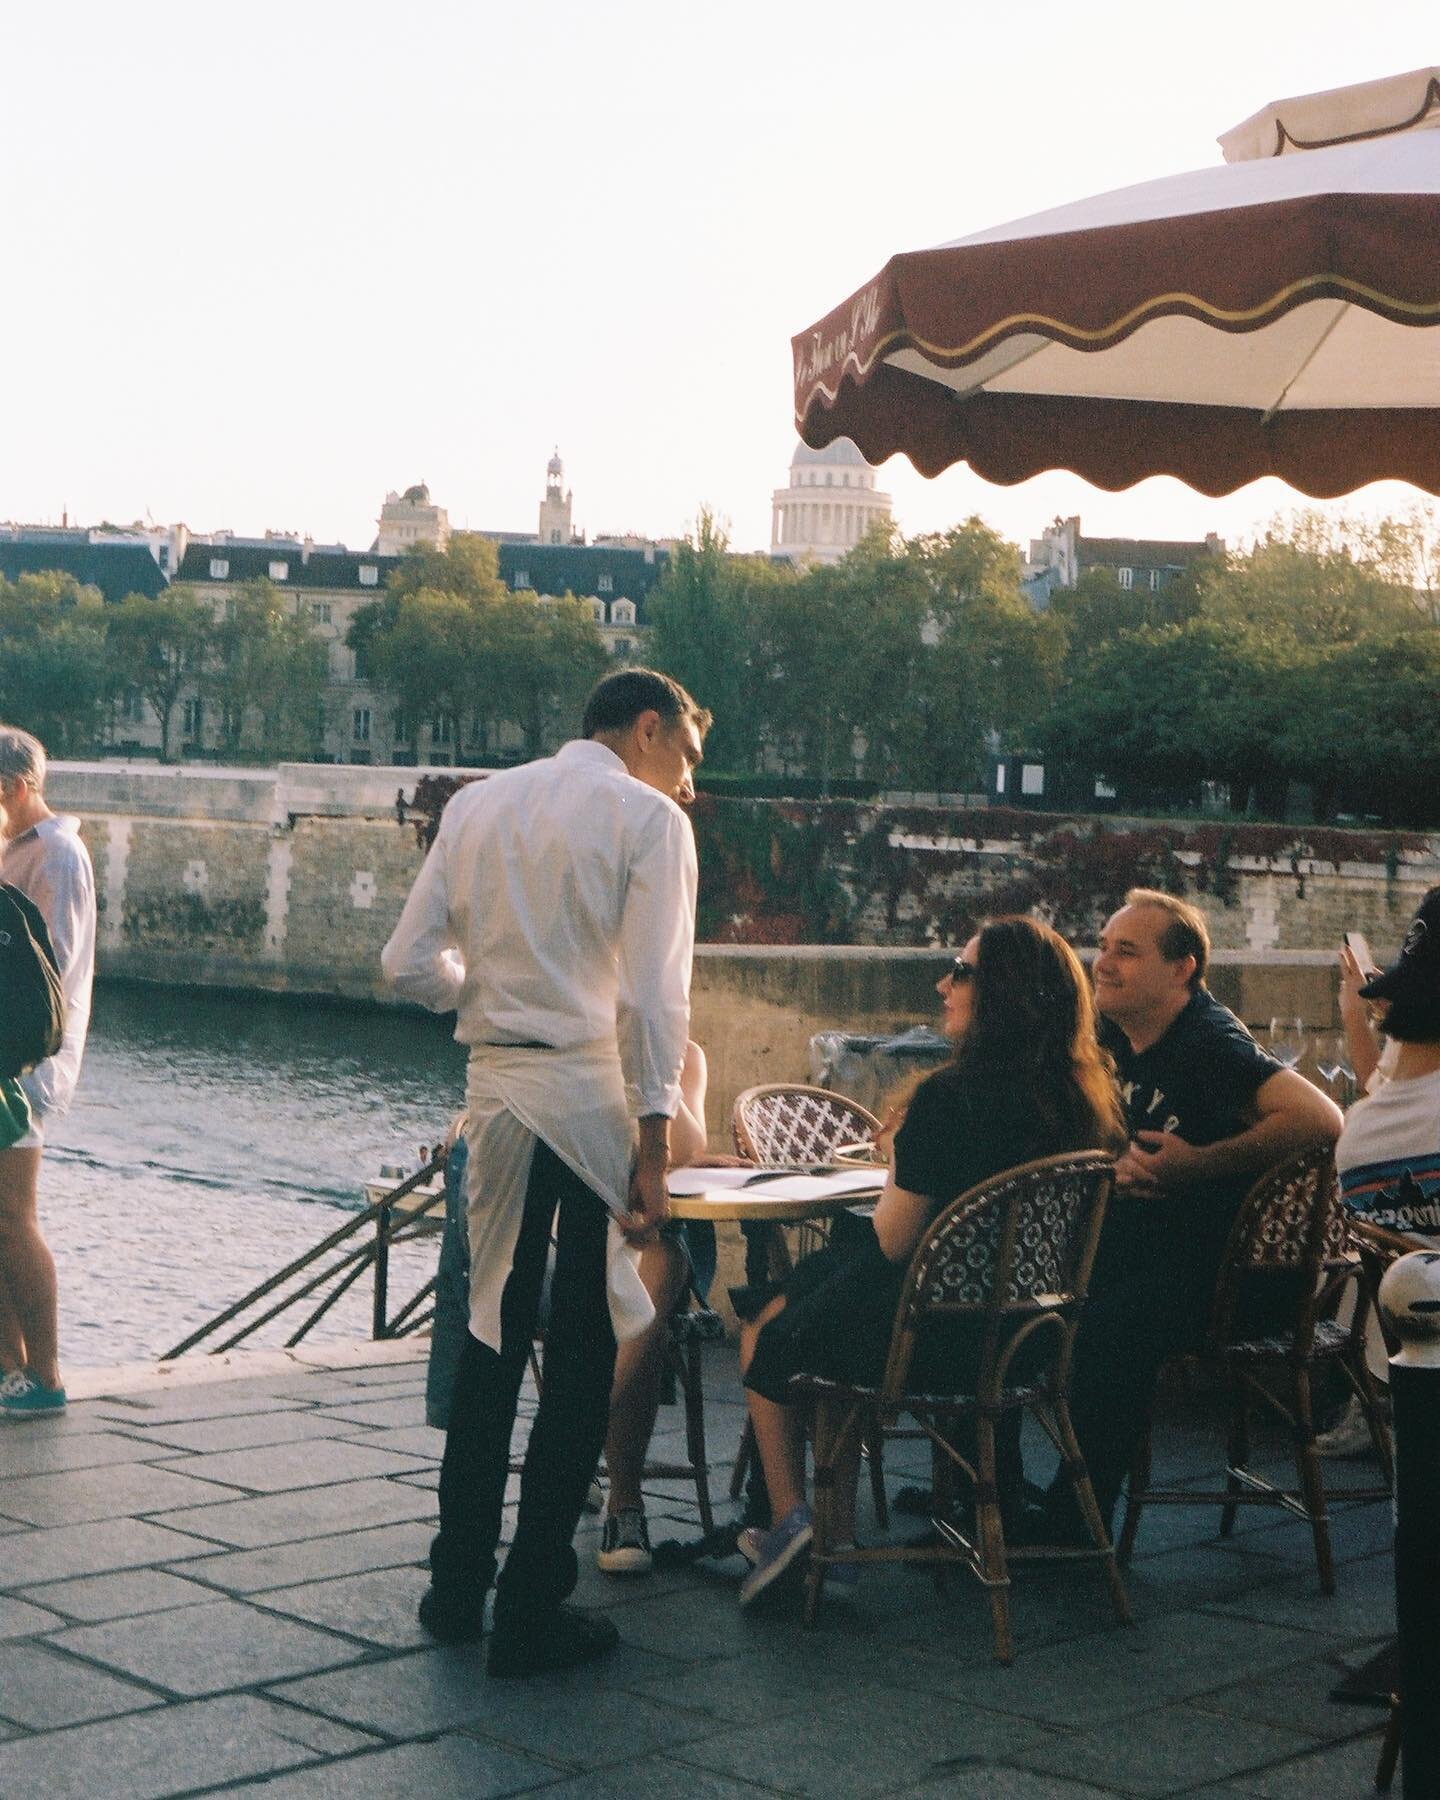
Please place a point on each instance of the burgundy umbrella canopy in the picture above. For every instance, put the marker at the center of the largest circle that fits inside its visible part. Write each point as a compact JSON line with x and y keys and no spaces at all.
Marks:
{"x":1278,"y":314}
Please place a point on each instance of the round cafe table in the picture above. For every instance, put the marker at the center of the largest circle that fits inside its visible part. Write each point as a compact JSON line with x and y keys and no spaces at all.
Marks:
{"x":753,"y":1205}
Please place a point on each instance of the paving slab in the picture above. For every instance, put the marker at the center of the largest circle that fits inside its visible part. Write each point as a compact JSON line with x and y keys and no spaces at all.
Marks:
{"x":377,"y":1606}
{"x":77,"y":1496}
{"x":408,"y":1409}
{"x":41,"y":1689}
{"x":233,"y":1431}
{"x":213,"y":1400}
{"x":1342,"y":1772}
{"x":28,"y":1557}
{"x":126,"y":1594}
{"x":171,"y":1751}
{"x":1297,"y":1698}
{"x":419,"y":1441}
{"x":209,"y":1649}
{"x":858,"y":1743}
{"x":450,"y":1765}
{"x":277,"y":1468}
{"x":284,"y":1517}
{"x":21,"y":1618}
{"x":314,"y":1559}
{"x":655,"y":1778}
{"x":1175,"y":1748}
{"x":983,"y":1780}
{"x":28,"y":1452}
{"x":1358,"y":1607}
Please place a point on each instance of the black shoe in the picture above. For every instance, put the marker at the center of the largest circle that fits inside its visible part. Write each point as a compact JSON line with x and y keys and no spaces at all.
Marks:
{"x":541,"y":1643}
{"x":451,"y":1621}
{"x":1042,"y":1528}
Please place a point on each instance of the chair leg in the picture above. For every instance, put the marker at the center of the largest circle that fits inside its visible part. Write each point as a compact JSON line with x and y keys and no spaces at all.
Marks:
{"x":1364,"y":1384}
{"x":694,"y":1390}
{"x":1307,"y":1463}
{"x":1237,"y":1450}
{"x":875,"y":1456}
{"x":991,"y":1536}
{"x":826,"y":1443}
{"x":744,"y":1456}
{"x":1136,"y":1487}
{"x":1090,"y":1510}
{"x":1389,"y":1749}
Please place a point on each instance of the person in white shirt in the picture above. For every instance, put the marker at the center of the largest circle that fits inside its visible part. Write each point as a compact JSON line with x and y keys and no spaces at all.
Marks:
{"x":1388,"y":1156}
{"x":555,"y":913}
{"x":44,"y":857}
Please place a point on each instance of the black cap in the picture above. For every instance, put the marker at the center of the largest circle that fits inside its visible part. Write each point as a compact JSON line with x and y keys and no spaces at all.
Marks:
{"x":1415,"y":972}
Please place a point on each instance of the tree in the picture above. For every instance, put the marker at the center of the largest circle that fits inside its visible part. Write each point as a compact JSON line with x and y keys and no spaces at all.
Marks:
{"x":265,"y":669}
{"x":161,"y":645}
{"x":705,"y":612}
{"x":540,"y":660}
{"x":428,"y":657}
{"x":55,"y":678}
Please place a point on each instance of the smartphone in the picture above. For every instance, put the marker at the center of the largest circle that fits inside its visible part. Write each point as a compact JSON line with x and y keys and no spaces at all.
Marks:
{"x":1360,"y":950}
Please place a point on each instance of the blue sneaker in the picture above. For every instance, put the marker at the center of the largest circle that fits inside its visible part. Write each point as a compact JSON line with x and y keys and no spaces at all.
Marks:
{"x":782,"y":1547}
{"x":23,"y":1397}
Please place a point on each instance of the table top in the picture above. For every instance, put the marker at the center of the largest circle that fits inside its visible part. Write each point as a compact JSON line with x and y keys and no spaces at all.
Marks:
{"x":754,"y":1203}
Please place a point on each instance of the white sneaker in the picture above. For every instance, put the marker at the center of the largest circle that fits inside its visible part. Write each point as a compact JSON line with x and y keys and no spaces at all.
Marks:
{"x":595,"y":1496}
{"x":1349,"y":1436}
{"x":625,"y":1547}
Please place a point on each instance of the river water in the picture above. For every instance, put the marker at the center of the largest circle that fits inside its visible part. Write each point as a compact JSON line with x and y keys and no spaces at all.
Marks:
{"x":215,"y":1137}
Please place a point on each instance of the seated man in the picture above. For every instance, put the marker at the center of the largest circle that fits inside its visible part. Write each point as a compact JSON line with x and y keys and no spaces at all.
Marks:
{"x":1208,"y":1111}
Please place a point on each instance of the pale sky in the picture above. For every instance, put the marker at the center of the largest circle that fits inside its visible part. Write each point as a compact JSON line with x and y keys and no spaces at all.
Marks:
{"x":266,"y":261}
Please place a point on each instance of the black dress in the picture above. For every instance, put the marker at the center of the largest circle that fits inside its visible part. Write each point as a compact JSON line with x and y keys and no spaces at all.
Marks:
{"x":840,"y":1302}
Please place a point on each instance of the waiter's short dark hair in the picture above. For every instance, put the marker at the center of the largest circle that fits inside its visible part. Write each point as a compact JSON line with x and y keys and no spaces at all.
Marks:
{"x":1184,"y":933}
{"x":618,"y":699}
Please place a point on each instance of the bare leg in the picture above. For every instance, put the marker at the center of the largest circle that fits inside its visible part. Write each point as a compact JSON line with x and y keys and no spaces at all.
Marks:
{"x":779,"y":1430}
{"x":639,"y":1365}
{"x":28,"y":1319}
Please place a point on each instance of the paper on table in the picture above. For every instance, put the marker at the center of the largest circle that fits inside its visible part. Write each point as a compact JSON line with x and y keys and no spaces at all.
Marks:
{"x":818,"y":1187}
{"x":708,"y":1181}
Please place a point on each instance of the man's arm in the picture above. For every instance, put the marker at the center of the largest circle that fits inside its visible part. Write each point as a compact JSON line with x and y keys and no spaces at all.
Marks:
{"x":421,"y":961}
{"x":649,"y":1196}
{"x":1291,"y":1114}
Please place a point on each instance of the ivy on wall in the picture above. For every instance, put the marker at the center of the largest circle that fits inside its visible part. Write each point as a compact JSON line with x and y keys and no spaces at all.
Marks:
{"x":841,"y":871}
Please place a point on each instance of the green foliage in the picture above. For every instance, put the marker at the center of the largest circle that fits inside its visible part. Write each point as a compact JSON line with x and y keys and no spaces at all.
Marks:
{"x":160,"y":645}
{"x":55,"y":677}
{"x":264,"y":675}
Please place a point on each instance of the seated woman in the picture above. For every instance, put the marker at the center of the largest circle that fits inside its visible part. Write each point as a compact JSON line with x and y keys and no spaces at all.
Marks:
{"x":1027,"y":1080}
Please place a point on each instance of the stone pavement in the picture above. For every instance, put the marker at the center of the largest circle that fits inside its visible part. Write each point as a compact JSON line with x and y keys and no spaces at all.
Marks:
{"x":209,"y":1585}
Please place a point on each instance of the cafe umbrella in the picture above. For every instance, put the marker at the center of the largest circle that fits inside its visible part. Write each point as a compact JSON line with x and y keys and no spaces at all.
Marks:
{"x":1275,"y":314}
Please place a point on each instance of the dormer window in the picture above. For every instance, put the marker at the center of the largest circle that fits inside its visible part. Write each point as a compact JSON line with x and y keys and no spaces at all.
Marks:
{"x":597,"y":608}
{"x":219,"y":568}
{"x":1127,"y":578}
{"x":606,"y":584}
{"x":369,"y":575}
{"x":623,"y":612}
{"x":522,"y":578}
{"x":279,"y":571}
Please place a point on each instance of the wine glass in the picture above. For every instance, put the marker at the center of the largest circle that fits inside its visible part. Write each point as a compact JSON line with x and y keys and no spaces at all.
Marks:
{"x":1287,"y":1040}
{"x":1330,"y":1061}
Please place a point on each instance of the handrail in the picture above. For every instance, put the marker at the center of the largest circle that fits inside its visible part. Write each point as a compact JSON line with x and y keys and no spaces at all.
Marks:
{"x":348,"y":1268}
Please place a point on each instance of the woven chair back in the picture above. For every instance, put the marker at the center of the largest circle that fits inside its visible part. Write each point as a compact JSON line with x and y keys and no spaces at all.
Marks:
{"x":1290,"y":1222}
{"x":786,"y":1126}
{"x":1013,"y":1251}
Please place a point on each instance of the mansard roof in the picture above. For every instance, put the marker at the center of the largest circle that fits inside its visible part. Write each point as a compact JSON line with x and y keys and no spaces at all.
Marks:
{"x":116,"y":569}
{"x":332,"y":569}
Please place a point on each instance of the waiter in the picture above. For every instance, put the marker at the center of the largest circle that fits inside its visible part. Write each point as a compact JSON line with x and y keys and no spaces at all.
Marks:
{"x":556,"y":914}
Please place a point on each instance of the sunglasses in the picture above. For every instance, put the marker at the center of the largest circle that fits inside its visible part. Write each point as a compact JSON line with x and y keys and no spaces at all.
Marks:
{"x":960,"y":970}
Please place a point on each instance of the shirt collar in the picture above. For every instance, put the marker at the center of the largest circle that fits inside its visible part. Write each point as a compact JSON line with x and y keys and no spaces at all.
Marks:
{"x":589,"y":751}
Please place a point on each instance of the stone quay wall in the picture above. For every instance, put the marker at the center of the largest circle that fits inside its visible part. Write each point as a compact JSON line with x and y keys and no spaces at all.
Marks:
{"x":289,"y":881}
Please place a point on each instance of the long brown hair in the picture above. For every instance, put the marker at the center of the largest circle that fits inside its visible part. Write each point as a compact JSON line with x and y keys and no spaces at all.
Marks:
{"x":1032,"y":1026}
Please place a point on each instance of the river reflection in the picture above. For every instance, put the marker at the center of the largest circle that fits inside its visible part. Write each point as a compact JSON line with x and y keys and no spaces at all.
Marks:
{"x":213,"y":1138}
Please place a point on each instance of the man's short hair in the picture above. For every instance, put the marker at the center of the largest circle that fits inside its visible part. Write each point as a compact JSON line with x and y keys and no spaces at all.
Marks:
{"x":1185,"y":932}
{"x":619,"y":699}
{"x":22,"y":757}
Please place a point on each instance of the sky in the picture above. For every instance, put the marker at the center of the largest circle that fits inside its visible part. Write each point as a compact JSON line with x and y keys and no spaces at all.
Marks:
{"x":266,"y":262}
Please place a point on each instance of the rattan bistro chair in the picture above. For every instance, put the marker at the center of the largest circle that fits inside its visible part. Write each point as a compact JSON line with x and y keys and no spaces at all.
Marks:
{"x":1013,"y":1256}
{"x":1290,"y":1226}
{"x":784,"y":1125}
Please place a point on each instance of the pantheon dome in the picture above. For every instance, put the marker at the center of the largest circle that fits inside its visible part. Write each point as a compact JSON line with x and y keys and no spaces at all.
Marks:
{"x":830,"y":504}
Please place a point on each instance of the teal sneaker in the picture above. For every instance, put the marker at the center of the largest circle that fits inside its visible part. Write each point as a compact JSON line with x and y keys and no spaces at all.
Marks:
{"x":23,"y":1397}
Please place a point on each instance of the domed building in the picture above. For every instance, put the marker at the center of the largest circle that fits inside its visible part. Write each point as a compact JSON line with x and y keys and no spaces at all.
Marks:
{"x":830,"y":504}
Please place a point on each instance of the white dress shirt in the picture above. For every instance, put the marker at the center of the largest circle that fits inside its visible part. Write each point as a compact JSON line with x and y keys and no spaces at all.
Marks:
{"x":556,"y":914}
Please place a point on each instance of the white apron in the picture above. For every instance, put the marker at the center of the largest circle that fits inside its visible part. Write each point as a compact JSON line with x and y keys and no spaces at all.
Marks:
{"x":575,"y":1101}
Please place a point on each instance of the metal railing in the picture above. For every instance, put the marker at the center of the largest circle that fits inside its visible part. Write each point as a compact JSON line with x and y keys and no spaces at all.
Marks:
{"x":394,"y":1222}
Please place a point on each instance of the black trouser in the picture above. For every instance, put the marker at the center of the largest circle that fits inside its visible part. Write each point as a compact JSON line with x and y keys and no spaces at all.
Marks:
{"x":1150,"y":1299}
{"x":569,"y":1428}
